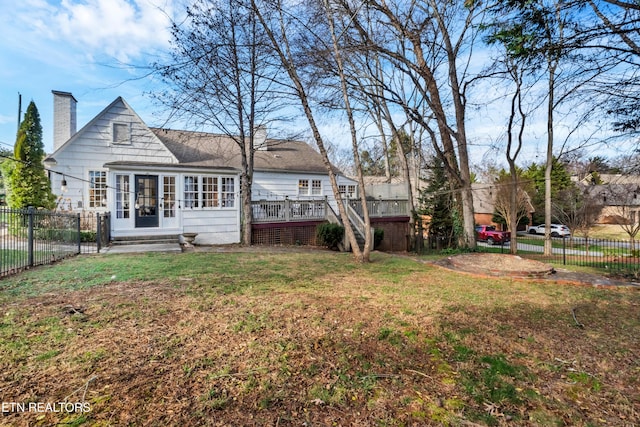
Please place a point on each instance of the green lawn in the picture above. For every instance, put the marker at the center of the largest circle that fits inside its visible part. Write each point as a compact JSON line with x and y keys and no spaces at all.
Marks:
{"x":312,"y":337}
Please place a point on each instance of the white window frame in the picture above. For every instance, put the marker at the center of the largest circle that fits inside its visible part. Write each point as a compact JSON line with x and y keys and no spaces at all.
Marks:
{"x":125,"y":128}
{"x":169,"y":202}
{"x":97,"y":190}
{"x":347,"y":190}
{"x":210,"y":191}
{"x":227,"y":191}
{"x":123,"y":186}
{"x":316,"y":187}
{"x":303,"y":187}
{"x":221,"y":195}
{"x":191,"y":191}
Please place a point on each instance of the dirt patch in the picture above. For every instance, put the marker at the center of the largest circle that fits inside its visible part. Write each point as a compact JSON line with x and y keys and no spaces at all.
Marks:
{"x":503,"y":265}
{"x":499,"y":265}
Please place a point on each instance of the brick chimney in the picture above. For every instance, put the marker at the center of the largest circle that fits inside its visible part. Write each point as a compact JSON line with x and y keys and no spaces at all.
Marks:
{"x":64,"y":117}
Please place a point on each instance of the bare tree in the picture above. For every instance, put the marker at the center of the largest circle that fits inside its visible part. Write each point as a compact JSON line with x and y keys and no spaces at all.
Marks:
{"x":337,"y":56}
{"x":513,"y":149}
{"x":512,"y":203}
{"x":281,"y":24}
{"x":580,"y":209}
{"x":612,"y":32}
{"x":622,"y":206}
{"x":369,"y":81}
{"x":220,"y":77}
{"x":543,"y":35}
{"x":427,"y":42}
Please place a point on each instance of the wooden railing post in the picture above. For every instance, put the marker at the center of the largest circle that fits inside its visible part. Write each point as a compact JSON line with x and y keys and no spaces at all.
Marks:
{"x":287,"y":209}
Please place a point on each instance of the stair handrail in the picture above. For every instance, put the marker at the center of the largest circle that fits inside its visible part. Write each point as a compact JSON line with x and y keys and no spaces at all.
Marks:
{"x":331,"y":215}
{"x":356,"y":220}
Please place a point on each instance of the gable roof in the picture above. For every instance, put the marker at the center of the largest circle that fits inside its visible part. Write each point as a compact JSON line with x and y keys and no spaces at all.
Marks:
{"x":214,"y":151}
{"x":96,"y":119}
{"x":627,"y":194}
{"x":201,"y":149}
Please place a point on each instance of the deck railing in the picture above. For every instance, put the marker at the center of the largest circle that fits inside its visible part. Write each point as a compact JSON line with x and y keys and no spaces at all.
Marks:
{"x":382,"y":207}
{"x":290,"y":210}
{"x":286,"y":210}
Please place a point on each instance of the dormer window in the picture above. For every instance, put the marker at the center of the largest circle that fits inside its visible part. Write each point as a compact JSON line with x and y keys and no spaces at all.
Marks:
{"x":121,"y":133}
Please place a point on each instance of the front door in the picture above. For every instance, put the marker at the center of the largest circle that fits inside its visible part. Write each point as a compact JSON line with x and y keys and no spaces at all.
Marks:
{"x":146,"y":206}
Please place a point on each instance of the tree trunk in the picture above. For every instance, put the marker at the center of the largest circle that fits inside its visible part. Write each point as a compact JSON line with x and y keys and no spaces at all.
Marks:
{"x":368,"y":241}
{"x":548,"y":249}
{"x":284,"y":53}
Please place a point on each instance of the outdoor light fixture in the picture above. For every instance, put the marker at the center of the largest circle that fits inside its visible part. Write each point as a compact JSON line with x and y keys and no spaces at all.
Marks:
{"x":63,"y":187}
{"x":104,"y":201}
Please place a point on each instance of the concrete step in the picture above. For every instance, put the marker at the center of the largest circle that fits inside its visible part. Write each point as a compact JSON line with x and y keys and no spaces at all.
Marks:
{"x":142,"y":240}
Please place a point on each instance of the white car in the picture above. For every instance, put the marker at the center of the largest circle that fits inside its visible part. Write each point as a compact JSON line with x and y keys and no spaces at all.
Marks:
{"x":557,"y":230}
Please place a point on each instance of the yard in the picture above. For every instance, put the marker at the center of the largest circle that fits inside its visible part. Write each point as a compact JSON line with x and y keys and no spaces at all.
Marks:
{"x":311,"y":338}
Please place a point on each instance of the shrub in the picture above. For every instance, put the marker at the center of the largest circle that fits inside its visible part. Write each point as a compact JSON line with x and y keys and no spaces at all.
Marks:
{"x":88,"y":236}
{"x":329,"y":235}
{"x":56,"y":234}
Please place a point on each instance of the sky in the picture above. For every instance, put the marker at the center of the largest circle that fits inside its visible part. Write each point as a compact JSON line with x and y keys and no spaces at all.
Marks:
{"x":86,"y":47}
{"x":95,"y":49}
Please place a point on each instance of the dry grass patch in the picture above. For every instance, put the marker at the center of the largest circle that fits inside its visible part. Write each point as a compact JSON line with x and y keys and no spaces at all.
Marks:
{"x":313,"y":338}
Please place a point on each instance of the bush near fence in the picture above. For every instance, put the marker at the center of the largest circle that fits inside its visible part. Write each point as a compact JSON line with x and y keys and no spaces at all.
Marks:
{"x":30,"y":237}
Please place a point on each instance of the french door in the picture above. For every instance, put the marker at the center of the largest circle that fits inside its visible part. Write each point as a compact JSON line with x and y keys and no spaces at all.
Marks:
{"x":146,"y":204}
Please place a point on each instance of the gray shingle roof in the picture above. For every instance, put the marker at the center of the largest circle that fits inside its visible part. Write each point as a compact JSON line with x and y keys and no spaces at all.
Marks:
{"x":200,"y":149}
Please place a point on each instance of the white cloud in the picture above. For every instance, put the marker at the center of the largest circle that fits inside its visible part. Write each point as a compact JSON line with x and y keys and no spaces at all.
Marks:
{"x":122,"y":29}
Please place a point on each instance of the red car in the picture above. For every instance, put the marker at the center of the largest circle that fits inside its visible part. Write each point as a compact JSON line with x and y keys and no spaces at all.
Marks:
{"x":489,"y":234}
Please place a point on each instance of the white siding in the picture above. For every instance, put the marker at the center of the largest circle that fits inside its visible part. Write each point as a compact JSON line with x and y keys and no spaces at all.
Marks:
{"x":214,"y":227}
{"x":276,"y":186}
{"x":92,"y":147}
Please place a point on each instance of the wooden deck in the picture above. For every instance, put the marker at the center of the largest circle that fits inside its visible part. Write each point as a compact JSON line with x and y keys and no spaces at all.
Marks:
{"x":289,"y":210}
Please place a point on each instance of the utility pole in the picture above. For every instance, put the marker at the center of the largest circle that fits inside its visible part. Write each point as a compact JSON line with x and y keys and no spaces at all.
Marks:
{"x":19,"y":109}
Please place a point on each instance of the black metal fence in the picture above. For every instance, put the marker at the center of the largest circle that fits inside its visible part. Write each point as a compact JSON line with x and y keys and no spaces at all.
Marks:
{"x":31,"y":237}
{"x":616,"y":257}
{"x":620,"y":257}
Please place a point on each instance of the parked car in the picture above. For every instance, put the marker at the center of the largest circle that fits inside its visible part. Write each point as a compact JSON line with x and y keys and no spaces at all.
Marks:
{"x":489,"y":234}
{"x":557,"y":230}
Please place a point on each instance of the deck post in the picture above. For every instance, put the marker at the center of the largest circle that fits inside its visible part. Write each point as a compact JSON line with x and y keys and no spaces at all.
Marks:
{"x":287,"y":209}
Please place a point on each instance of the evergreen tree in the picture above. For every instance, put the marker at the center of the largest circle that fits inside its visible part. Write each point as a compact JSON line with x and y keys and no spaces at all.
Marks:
{"x":533,"y":178}
{"x":436,"y":202}
{"x":28,"y":182}
{"x":6,"y":165}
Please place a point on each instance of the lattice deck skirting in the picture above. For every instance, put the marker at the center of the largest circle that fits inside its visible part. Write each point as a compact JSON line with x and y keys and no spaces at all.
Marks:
{"x":285,"y":234}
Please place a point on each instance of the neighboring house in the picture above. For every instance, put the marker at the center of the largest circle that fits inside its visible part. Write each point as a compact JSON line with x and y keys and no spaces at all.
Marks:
{"x":618,"y":194}
{"x":484,"y":204}
{"x":159,"y":182}
{"x":377,"y":187}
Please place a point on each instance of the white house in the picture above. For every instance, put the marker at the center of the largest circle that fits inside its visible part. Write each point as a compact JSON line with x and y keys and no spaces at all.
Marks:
{"x":160,"y":182}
